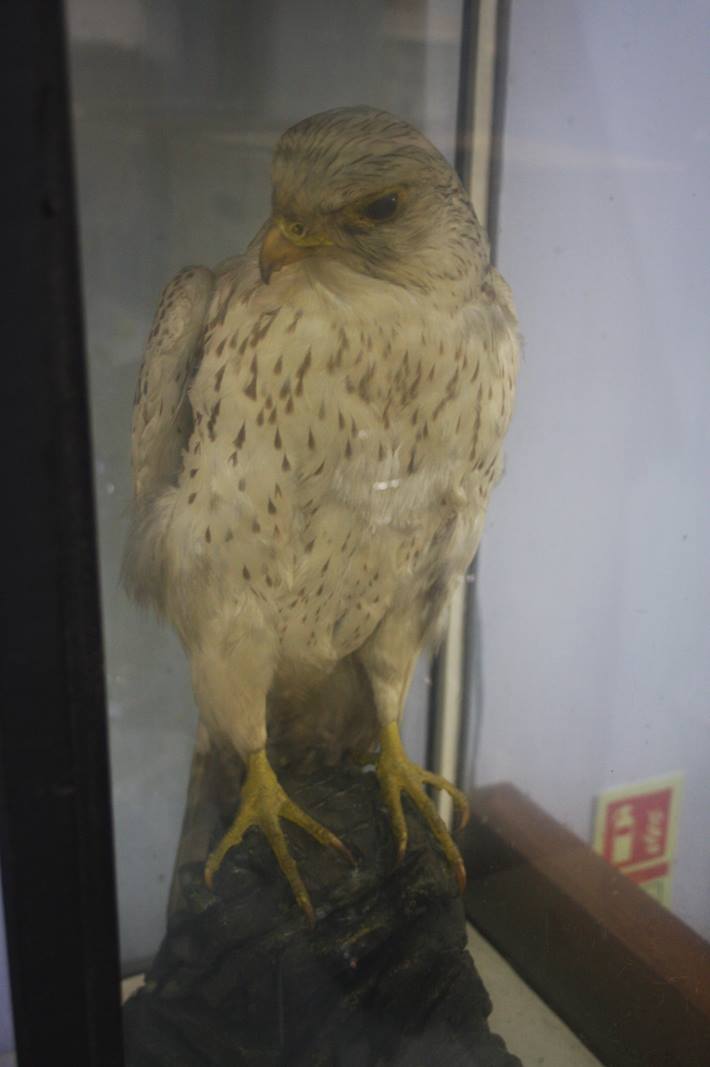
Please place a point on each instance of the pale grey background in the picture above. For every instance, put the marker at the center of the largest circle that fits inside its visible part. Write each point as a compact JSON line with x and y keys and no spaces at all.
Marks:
{"x":595,"y":579}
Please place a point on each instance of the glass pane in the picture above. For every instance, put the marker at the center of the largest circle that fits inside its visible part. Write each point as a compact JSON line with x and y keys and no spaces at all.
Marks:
{"x":176,"y":110}
{"x":582,"y":656}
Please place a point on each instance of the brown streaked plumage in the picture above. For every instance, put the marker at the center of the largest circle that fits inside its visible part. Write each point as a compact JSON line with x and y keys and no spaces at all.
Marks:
{"x":317,"y":427}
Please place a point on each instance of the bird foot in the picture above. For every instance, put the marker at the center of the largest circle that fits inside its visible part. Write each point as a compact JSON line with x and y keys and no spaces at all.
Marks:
{"x":264,"y":803}
{"x":397,"y":774}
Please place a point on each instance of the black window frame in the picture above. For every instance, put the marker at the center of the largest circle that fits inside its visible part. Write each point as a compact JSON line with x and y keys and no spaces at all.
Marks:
{"x":55,"y":813}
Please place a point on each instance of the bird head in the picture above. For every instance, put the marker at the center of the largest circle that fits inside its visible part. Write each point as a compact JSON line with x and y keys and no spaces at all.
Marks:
{"x":362,"y":187}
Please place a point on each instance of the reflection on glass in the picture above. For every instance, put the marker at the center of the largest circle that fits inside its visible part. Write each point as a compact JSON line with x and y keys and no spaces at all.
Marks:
{"x":176,"y":112}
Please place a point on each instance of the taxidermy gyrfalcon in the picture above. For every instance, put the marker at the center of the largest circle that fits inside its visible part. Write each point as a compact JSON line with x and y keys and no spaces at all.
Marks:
{"x":317,"y":428}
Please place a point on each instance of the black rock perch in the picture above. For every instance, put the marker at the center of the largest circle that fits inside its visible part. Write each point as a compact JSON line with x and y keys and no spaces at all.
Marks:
{"x":383,"y":978}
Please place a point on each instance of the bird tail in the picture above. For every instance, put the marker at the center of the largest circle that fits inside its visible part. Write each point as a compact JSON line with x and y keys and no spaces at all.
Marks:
{"x":333,"y":719}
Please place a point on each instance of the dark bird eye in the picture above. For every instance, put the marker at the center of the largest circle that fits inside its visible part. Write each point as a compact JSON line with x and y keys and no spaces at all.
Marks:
{"x":382,"y":208}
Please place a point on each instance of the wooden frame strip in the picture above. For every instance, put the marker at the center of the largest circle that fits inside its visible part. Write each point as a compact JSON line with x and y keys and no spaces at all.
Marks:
{"x":629,"y":978}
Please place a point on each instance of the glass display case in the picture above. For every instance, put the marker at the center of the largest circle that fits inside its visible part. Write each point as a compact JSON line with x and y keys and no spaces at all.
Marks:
{"x":567,"y":692}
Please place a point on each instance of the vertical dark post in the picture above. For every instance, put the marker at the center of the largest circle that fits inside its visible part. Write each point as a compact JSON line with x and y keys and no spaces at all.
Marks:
{"x":470,"y":725}
{"x":470,"y":42}
{"x":55,"y":818}
{"x":500,"y":84}
{"x":462,"y":164}
{"x":464,"y":156}
{"x":467,"y":81}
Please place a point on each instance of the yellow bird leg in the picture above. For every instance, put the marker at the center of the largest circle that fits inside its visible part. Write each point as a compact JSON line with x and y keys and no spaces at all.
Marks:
{"x":397,"y":774}
{"x":264,"y":803}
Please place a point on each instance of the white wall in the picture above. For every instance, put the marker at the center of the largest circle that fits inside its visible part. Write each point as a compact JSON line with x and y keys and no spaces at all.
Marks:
{"x":594,"y":570}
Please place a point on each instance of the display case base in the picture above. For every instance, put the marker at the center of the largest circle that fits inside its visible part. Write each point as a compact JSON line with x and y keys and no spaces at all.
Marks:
{"x":383,"y":977}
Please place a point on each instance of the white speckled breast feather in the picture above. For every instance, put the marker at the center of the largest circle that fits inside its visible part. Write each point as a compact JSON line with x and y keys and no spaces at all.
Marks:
{"x":341,"y":455}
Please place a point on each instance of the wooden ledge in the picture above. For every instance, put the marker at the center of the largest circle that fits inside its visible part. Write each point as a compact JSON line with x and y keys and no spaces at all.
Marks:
{"x":630,"y":979}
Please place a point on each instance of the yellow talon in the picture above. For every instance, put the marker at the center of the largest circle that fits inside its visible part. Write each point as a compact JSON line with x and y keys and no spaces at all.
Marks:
{"x":397,"y":774}
{"x":264,"y":803}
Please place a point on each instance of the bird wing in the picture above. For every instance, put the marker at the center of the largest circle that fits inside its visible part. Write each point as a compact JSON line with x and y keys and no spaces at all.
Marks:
{"x":162,"y":416}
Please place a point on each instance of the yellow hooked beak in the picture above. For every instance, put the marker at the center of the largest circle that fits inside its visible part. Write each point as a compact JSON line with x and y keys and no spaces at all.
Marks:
{"x":286,"y":243}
